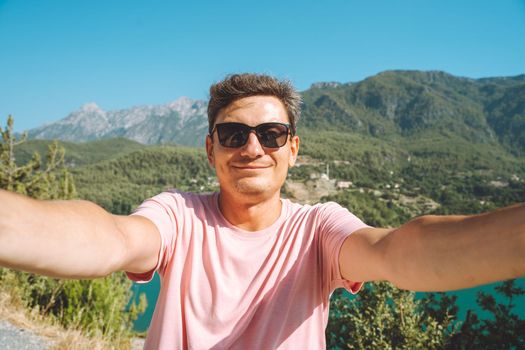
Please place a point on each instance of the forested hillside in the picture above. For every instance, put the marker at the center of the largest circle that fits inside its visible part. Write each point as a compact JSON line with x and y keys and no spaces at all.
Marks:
{"x":416,"y":105}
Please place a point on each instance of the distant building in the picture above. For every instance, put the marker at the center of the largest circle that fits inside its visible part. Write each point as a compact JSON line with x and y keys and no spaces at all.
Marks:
{"x":344,"y":184}
{"x":498,"y":184}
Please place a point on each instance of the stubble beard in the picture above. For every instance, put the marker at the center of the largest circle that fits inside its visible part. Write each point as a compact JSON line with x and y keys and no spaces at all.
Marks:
{"x":252,"y":186}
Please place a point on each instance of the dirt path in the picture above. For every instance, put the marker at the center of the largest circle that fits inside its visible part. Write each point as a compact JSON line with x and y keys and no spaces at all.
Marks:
{"x":12,"y":337}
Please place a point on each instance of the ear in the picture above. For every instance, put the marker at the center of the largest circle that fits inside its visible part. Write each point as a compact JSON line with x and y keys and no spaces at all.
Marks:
{"x":294,"y":150}
{"x":209,"y":151}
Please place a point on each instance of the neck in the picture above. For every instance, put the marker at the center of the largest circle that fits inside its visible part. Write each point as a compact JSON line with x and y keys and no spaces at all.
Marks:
{"x":249,"y":214}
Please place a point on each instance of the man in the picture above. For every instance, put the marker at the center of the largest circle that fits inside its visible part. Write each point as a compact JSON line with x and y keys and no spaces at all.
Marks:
{"x":243,"y":268}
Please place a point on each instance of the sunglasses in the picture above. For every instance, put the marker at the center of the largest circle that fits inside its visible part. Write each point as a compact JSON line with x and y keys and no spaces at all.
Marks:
{"x":235,"y":135}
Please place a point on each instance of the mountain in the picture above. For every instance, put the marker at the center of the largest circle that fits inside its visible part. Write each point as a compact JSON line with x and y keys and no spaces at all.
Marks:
{"x":392,"y":105}
{"x":410,"y":104}
{"x":176,"y":122}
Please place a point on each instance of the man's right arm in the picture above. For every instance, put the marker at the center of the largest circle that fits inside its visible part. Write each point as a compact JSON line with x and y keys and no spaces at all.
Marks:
{"x":73,"y":239}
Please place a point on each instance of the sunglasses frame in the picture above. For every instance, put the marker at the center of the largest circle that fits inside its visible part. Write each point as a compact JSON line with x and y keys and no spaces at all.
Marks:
{"x":250,"y":130}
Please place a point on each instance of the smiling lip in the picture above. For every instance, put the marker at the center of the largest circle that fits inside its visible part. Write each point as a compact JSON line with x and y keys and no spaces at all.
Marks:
{"x":251,"y":167}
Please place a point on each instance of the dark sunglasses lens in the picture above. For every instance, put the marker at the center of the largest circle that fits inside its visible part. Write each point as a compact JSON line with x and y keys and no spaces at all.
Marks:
{"x":232,"y":135}
{"x":272,"y":135}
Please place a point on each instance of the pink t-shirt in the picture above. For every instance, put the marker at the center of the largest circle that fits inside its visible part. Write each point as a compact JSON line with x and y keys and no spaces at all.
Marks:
{"x":226,"y":288}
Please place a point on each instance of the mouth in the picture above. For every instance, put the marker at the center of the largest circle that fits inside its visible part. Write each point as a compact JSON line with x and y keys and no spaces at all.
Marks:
{"x":250,"y":167}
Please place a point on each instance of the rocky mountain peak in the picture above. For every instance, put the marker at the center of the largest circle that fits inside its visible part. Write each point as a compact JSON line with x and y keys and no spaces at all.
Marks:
{"x":90,"y":107}
{"x":145,"y":124}
{"x":187,"y":105}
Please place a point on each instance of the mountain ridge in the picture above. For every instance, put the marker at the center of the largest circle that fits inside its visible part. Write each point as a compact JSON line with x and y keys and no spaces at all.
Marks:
{"x":145,"y":124}
{"x":392,"y":104}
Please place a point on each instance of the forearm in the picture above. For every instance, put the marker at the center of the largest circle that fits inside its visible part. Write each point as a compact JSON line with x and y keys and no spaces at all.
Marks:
{"x":453,"y":252}
{"x":71,"y":239}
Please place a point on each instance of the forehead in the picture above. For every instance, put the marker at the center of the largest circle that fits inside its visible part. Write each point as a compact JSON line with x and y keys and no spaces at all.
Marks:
{"x":254,"y":110}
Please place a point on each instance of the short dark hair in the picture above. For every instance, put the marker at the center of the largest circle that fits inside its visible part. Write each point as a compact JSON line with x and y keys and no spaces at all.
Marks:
{"x":237,"y":86}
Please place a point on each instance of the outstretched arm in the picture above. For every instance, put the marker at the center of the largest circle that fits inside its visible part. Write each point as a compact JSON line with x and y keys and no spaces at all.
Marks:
{"x":73,"y":239}
{"x":439,"y":253}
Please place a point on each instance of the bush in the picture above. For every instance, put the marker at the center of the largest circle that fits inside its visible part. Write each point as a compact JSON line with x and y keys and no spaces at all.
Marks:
{"x":383,"y":317}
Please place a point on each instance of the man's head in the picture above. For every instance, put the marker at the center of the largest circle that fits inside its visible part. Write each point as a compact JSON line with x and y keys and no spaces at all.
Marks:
{"x":252,"y":157}
{"x":237,"y":86}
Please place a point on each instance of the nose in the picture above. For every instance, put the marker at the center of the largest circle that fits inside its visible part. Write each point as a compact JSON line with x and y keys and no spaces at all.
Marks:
{"x":253,"y":147}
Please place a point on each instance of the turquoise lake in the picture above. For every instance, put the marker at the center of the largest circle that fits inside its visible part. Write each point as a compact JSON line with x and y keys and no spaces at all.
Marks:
{"x":466,"y":300}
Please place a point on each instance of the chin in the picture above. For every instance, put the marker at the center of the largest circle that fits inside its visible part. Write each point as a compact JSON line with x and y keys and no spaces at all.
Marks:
{"x":253,"y":186}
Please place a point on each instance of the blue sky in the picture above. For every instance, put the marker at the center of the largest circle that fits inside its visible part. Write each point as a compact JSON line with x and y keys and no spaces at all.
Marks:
{"x":56,"y":55}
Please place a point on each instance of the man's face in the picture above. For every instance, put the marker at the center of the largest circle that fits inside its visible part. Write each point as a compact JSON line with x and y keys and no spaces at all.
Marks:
{"x":252,"y":169}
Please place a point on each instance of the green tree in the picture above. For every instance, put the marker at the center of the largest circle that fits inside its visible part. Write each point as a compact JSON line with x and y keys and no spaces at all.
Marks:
{"x":503,"y":329}
{"x":383,"y":317}
{"x":37,"y":179}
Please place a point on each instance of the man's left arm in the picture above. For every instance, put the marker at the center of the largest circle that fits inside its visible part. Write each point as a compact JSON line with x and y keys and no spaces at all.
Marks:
{"x":439,"y":253}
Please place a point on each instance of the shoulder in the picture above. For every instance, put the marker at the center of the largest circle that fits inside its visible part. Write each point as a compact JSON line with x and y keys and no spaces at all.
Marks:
{"x":176,"y":197}
{"x":320,"y":210}
{"x":175,"y":203}
{"x":329,"y":207}
{"x":320,"y":214}
{"x":317,"y":207}
{"x":334,"y":217}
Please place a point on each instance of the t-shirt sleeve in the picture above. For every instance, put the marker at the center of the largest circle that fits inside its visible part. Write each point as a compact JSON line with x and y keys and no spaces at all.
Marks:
{"x":162,"y":211}
{"x":336,"y":224}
